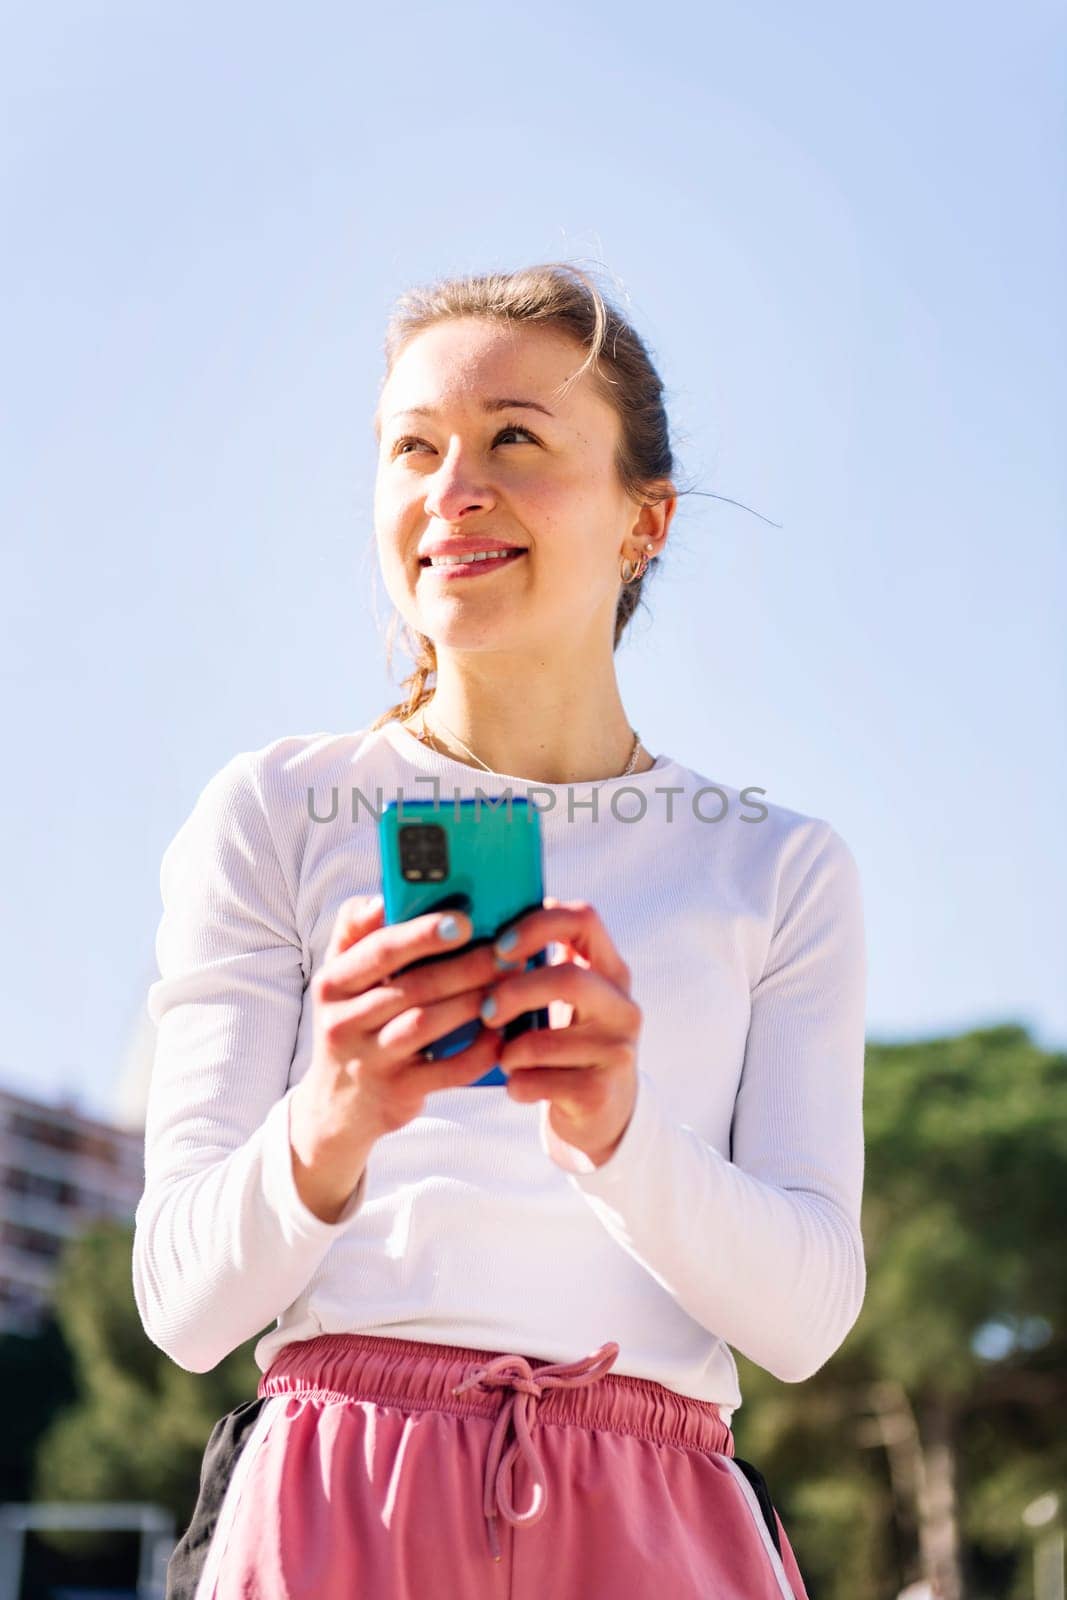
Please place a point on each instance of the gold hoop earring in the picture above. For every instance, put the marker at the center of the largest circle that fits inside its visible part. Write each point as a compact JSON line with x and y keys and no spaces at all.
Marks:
{"x":630,"y":572}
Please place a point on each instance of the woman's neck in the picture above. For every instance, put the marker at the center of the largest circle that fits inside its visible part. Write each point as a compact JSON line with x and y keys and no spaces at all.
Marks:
{"x":570,"y":740}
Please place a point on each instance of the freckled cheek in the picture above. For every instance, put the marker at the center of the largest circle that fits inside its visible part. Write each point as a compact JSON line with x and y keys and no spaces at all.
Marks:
{"x":570,"y":521}
{"x":553,"y":513}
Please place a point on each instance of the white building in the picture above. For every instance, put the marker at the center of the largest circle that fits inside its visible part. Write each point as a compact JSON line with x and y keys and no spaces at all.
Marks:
{"x":59,"y":1171}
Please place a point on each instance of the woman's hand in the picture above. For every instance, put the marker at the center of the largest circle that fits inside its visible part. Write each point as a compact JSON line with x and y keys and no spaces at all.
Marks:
{"x":371,"y":1020}
{"x":367,"y":1076}
{"x":585,"y":1062}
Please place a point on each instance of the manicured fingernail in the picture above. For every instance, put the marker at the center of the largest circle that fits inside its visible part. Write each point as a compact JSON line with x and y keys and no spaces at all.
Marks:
{"x":448,"y":927}
{"x":488,"y":1011}
{"x":507,"y":941}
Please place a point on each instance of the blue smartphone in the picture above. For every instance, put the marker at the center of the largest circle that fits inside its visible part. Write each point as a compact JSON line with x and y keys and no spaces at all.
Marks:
{"x":479,"y":856}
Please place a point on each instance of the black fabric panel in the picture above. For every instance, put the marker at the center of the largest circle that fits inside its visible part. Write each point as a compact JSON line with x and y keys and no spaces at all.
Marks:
{"x":763,"y":1495}
{"x":227,"y":1440}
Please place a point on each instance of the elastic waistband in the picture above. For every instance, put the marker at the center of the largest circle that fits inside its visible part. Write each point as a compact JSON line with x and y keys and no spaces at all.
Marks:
{"x":421,"y":1376}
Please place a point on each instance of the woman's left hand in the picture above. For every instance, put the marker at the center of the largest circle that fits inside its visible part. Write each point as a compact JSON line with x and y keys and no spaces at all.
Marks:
{"x":585,"y":1062}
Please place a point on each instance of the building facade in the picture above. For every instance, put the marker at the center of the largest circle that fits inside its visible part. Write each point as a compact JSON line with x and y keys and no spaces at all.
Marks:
{"x":60,"y":1171}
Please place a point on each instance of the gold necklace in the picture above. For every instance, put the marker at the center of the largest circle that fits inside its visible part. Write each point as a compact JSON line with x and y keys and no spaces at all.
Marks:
{"x":425,"y":736}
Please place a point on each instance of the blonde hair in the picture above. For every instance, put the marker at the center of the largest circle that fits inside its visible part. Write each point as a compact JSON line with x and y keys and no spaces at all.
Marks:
{"x":562,"y":297}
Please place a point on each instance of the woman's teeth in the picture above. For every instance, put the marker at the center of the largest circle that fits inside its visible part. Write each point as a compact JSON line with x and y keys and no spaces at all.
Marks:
{"x":464,"y":560}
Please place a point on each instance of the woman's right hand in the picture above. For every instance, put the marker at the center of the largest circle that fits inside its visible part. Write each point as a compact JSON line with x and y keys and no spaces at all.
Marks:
{"x":370,"y":1021}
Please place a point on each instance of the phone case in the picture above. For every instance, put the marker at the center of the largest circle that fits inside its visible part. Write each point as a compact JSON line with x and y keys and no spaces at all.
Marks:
{"x":477,"y":856}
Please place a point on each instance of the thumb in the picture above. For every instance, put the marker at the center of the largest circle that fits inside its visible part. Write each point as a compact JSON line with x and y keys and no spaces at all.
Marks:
{"x":357,"y":916}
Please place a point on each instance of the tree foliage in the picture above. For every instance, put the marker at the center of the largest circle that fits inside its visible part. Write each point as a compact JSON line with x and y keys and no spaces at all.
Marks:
{"x":139,"y":1424}
{"x":38,"y":1381}
{"x":916,"y":1448}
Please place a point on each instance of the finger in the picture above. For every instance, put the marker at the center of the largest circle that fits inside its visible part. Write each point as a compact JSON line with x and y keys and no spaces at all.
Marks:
{"x":398,"y":1030}
{"x":594,"y":997}
{"x":455,"y":1072}
{"x":354,"y":918}
{"x":382,"y":949}
{"x":440,"y":979}
{"x":571,"y":1089}
{"x":571,"y":922}
{"x":415,"y":1027}
{"x":586,"y":1046}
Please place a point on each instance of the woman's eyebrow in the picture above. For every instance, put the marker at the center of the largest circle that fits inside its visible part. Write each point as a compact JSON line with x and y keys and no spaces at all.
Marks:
{"x":487,"y":406}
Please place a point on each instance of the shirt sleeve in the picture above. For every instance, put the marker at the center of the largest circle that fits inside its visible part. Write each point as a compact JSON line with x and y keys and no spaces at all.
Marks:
{"x":223,"y":1242}
{"x":765,"y":1249}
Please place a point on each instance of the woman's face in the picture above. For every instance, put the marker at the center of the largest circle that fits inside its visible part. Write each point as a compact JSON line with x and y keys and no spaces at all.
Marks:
{"x":475,"y":470}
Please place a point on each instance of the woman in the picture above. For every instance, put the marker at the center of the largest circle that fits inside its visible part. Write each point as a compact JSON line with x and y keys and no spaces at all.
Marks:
{"x":501,"y":1362}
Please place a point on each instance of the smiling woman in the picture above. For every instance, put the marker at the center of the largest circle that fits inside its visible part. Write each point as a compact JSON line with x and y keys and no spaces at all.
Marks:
{"x":495,"y":1321}
{"x":475,"y":480}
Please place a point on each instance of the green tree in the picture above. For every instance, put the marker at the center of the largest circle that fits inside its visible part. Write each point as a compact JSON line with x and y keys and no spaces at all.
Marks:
{"x":37,"y":1375}
{"x":138,"y":1427}
{"x":914,"y":1451}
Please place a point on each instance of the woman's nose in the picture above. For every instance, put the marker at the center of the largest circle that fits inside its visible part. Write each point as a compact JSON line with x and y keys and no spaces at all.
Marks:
{"x":452,"y":508}
{"x":454,"y":491}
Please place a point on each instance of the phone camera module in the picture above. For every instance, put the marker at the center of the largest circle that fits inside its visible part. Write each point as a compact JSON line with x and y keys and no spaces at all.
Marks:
{"x":423,"y":852}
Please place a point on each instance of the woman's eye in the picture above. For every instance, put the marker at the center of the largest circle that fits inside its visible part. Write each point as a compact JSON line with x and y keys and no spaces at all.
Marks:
{"x":399,"y":450}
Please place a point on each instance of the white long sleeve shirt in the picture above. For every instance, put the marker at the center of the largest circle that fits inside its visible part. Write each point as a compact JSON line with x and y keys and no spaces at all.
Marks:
{"x":729,"y":1214}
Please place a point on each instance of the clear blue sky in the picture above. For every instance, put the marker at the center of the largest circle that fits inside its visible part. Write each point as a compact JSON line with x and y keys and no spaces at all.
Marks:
{"x":842,"y":234}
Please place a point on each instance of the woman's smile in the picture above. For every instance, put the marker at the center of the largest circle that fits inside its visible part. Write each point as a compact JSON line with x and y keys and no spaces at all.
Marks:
{"x":451,"y":568}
